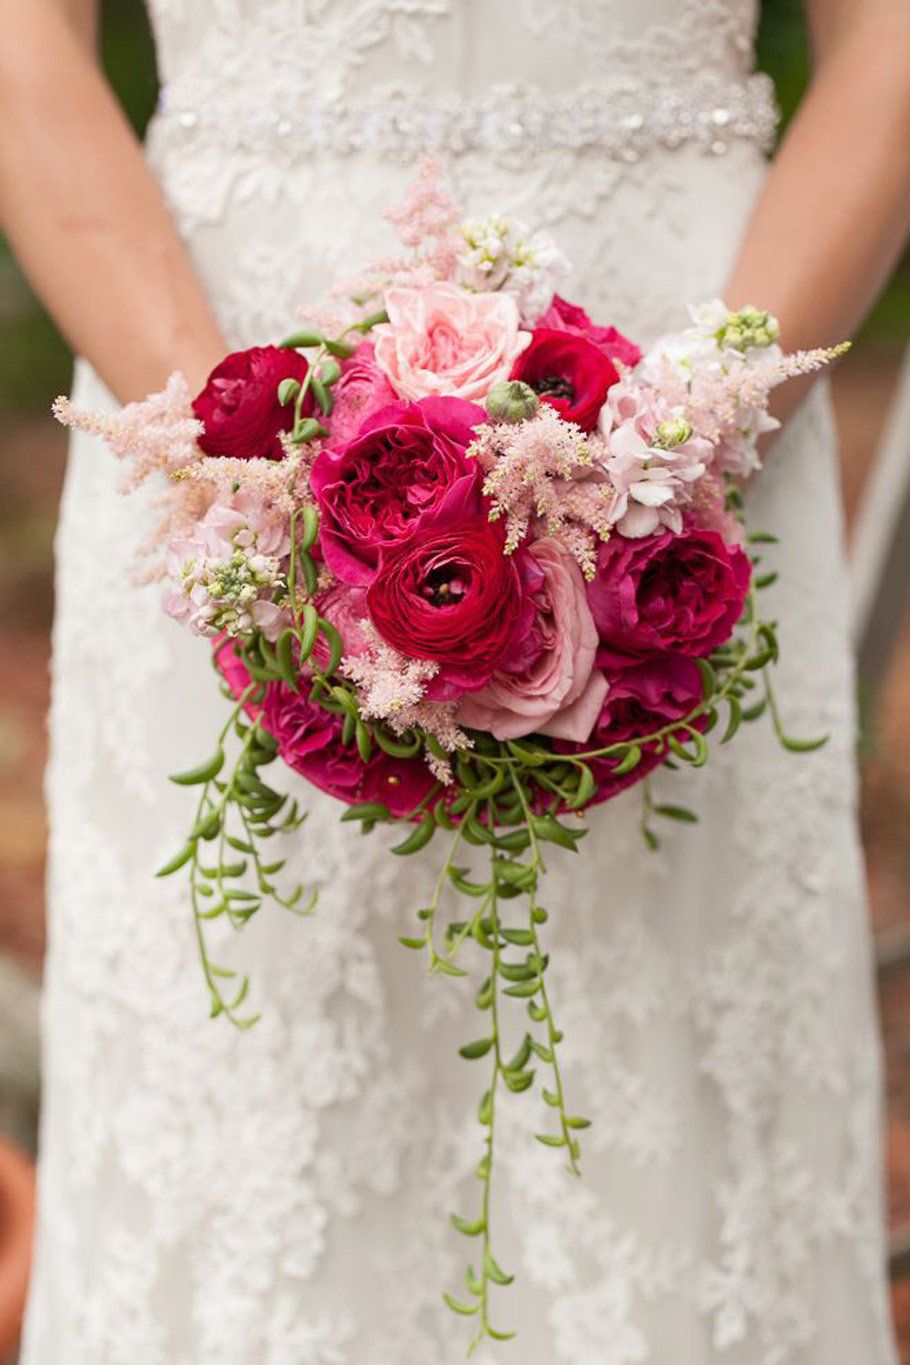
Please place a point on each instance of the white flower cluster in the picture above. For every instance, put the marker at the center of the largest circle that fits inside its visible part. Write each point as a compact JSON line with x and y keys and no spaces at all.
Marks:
{"x":504,"y":254}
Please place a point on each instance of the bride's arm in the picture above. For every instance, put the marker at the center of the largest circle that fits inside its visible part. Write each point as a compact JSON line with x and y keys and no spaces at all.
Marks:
{"x":833,"y":215}
{"x":83,"y":212}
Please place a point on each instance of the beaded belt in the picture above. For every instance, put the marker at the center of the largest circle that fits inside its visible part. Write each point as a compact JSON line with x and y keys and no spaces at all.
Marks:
{"x":506,"y":122}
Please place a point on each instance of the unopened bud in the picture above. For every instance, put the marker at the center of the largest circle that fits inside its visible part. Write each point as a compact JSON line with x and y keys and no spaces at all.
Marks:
{"x":671,"y":433}
{"x":512,"y":401}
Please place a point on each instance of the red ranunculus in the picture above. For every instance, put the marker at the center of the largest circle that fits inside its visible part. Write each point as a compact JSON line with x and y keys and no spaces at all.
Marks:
{"x":569,"y":372}
{"x":566,"y":317}
{"x":407,"y":464}
{"x":451,"y":595}
{"x":239,"y":405}
{"x":667,"y":593}
{"x":639,"y":701}
{"x":309,"y":741}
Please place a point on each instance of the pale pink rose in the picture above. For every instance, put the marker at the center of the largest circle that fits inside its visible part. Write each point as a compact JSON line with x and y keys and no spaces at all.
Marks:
{"x":560,"y":693}
{"x":446,"y":341}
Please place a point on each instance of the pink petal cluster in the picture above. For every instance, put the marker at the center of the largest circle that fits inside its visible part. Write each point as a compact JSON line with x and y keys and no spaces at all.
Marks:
{"x":442,"y":340}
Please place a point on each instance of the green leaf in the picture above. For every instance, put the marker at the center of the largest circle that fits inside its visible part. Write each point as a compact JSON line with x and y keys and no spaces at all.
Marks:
{"x":708,"y":679}
{"x":631,"y":760}
{"x":523,"y":989}
{"x":335,"y":643}
{"x":364,"y":743}
{"x":521,"y":938}
{"x":343,"y":349}
{"x":585,"y":789}
{"x":204,"y":773}
{"x":307,"y":431}
{"x":803,"y":746}
{"x":762,"y":538}
{"x":322,"y":394}
{"x":448,"y":968}
{"x":465,"y":1228}
{"x":754,"y":712}
{"x":650,"y":838}
{"x":547,"y":827}
{"x":480,"y":1048}
{"x":517,"y":1083}
{"x":419,"y":839}
{"x":676,"y":813}
{"x":367,"y":810}
{"x":485,"y":1109}
{"x":499,"y":1336}
{"x":466,"y":1310}
{"x":551,"y":1140}
{"x":179,"y":860}
{"x":733,"y":724}
{"x":288,"y":390}
{"x":302,"y":340}
{"x":406,"y":942}
{"x":578,"y":1123}
{"x":493,"y":1271}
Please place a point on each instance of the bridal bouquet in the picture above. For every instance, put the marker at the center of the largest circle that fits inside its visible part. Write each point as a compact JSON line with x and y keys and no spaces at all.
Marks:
{"x":472,"y":564}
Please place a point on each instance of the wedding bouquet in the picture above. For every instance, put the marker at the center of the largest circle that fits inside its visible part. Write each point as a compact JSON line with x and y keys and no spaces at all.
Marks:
{"x":472,"y":564}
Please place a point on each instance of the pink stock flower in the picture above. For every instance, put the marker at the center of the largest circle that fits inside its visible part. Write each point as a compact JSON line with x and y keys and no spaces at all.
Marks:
{"x":310,"y":742}
{"x":563,"y":316}
{"x":560,"y":693}
{"x":406,"y":466}
{"x":362,"y":390}
{"x":653,"y":459}
{"x":443,"y":340}
{"x":668,"y":593}
{"x":640,"y":701}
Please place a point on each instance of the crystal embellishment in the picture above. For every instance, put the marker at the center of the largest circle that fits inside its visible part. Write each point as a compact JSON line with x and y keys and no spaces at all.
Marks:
{"x":506,"y":122}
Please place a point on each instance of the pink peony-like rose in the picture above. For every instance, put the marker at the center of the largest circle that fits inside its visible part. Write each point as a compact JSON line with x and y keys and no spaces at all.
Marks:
{"x":451,"y":595}
{"x":310,"y":742}
{"x":406,"y":465}
{"x":561,"y":692}
{"x":639,"y":701}
{"x":668,"y":593}
{"x":239,"y":405}
{"x":563,"y":316}
{"x":362,"y":390}
{"x":444,"y":340}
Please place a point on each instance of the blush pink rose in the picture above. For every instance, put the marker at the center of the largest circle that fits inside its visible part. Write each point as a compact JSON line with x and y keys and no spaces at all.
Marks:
{"x":444,"y":340}
{"x":560,"y":693}
{"x":362,"y":390}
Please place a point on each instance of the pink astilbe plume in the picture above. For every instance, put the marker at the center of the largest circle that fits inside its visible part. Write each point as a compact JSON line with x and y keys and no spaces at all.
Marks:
{"x":545,"y":469}
{"x":425,"y":221}
{"x":392,"y":688}
{"x":156,"y":435}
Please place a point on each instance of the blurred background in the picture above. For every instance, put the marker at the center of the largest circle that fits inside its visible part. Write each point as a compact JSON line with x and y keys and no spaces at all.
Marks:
{"x":875,"y":439}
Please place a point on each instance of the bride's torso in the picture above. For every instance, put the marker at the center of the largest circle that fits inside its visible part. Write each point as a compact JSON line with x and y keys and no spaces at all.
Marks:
{"x":633,"y":127}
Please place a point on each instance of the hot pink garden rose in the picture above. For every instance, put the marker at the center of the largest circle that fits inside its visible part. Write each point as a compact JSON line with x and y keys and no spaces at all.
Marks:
{"x":361,"y":390}
{"x":444,"y":340}
{"x":639,"y":701}
{"x":563,"y":316}
{"x":667,"y":593}
{"x":561,"y":692}
{"x":452,"y":596}
{"x":309,"y":741}
{"x":406,"y":465}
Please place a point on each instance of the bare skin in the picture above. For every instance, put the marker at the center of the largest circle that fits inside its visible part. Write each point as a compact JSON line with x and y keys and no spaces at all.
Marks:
{"x":83,"y":212}
{"x":834,"y":212}
{"x":92,"y":232}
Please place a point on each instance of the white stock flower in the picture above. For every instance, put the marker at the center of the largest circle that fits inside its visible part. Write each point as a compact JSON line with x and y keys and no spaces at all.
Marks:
{"x":504,"y":254}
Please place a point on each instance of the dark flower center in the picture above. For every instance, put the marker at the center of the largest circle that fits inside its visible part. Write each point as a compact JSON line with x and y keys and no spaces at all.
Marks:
{"x":554,"y":386}
{"x":444,"y":586}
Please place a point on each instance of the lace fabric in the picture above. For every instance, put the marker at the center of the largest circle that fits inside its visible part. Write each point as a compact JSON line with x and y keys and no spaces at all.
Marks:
{"x":280,"y":1197}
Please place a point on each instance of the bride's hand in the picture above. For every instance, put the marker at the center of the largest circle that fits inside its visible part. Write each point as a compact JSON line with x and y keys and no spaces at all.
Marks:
{"x":83,"y":212}
{"x":834,"y":213}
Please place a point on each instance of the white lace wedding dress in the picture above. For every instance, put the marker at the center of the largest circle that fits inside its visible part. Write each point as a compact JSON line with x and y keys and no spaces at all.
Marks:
{"x":280,"y":1196}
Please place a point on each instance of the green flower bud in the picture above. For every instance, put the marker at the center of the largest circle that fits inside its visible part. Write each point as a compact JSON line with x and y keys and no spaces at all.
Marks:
{"x":747,"y":328}
{"x":672,"y":433}
{"x":512,"y":401}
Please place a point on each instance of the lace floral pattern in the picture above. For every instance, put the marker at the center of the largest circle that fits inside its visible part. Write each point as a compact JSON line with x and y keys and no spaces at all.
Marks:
{"x":280,"y":1197}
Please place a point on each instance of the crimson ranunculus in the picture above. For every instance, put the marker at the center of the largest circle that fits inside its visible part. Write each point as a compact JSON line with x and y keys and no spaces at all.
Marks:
{"x":451,"y":595}
{"x":239,"y":405}
{"x":639,"y":701}
{"x":309,"y":741}
{"x":406,"y":465}
{"x":567,"y":317}
{"x":569,"y":372}
{"x":667,"y":593}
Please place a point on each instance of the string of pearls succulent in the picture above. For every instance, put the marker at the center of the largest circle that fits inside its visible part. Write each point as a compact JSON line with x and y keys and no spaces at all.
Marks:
{"x":507,"y":121}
